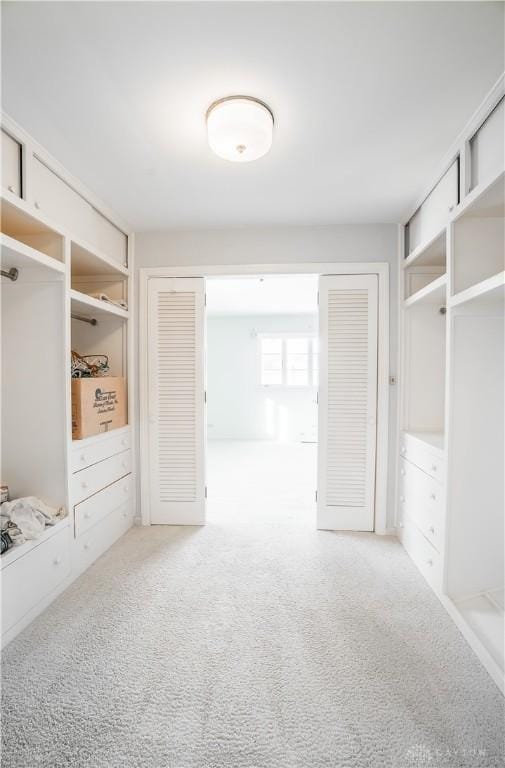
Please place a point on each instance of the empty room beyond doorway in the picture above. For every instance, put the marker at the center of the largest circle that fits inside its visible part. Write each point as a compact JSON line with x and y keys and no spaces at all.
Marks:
{"x":262,"y":378}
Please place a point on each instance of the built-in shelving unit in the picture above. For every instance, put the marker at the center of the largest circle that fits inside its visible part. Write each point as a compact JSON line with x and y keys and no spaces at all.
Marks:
{"x":58,"y":247}
{"x":451,"y":507}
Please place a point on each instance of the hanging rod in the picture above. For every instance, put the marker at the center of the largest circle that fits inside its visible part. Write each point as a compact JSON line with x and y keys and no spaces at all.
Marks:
{"x":90,"y":320}
{"x":12,"y":273}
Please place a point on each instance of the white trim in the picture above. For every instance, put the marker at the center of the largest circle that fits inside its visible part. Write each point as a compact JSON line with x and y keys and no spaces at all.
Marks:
{"x":231,"y":270}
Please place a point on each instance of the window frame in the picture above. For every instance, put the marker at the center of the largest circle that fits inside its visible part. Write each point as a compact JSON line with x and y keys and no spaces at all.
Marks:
{"x":284,"y":336}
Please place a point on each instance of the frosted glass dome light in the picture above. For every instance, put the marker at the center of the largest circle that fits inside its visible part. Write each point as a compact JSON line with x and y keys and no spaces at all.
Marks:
{"x":239,"y":128}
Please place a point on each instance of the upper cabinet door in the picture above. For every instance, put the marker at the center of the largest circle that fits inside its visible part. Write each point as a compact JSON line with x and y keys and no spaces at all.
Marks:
{"x":347,"y":402}
{"x":176,"y":372}
{"x":11,"y":164}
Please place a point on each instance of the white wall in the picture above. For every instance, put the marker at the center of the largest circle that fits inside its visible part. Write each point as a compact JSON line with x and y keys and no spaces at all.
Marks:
{"x":238,"y":408}
{"x":287,"y":245}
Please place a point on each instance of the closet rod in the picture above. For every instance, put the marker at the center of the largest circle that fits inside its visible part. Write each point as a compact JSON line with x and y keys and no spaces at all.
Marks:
{"x":12,"y":274}
{"x":90,"y":320}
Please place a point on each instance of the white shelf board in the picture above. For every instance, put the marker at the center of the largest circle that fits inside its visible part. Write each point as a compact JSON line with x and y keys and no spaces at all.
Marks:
{"x":432,"y":439}
{"x":87,"y":306}
{"x":14,"y":253}
{"x":486,"y":200}
{"x":491,"y":290}
{"x":433,"y":293}
{"x":485,"y":616}
{"x":429,"y":254}
{"x":29,"y":219}
{"x":20,"y":550}
{"x":87,"y":261}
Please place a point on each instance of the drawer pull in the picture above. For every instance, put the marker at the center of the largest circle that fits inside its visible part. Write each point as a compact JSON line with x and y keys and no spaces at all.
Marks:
{"x":401,"y":524}
{"x":87,"y":545}
{"x":433,"y":496}
{"x":124,"y":464}
{"x":10,"y":188}
{"x":57,"y":560}
{"x":123,"y":442}
{"x":87,"y":515}
{"x":434,"y":467}
{"x":429,"y":562}
{"x":84,"y":484}
{"x":36,"y":204}
{"x":431,"y":529}
{"x":402,"y":473}
{"x":402,"y":499}
{"x":403,"y":450}
{"x":451,"y":208}
{"x":126,"y":489}
{"x":125,"y":514}
{"x":83,"y":457}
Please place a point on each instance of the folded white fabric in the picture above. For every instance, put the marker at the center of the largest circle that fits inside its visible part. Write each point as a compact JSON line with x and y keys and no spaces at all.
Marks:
{"x":31,"y":515}
{"x":104,"y":297}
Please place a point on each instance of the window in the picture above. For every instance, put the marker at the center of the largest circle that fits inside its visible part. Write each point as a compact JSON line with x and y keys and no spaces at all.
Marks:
{"x":288,"y":360}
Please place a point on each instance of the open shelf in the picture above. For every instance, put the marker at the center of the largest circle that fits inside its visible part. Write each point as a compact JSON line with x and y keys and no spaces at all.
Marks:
{"x":433,"y":293}
{"x":430,"y":254}
{"x":89,"y":307}
{"x":479,"y":238}
{"x":18,"y":224}
{"x":431,"y":439}
{"x":14,"y":253}
{"x":484,"y":614}
{"x":490,"y":290}
{"x":20,"y":550}
{"x":86,"y":261}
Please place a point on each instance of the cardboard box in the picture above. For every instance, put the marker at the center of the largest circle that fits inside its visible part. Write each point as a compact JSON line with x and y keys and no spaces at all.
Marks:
{"x":98,"y":405}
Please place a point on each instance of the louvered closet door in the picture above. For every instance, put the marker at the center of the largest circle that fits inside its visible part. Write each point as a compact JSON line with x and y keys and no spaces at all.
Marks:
{"x":176,"y":400}
{"x":347,"y":402}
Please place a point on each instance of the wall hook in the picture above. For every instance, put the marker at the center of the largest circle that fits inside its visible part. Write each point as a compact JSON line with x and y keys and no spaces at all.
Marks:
{"x":12,"y":273}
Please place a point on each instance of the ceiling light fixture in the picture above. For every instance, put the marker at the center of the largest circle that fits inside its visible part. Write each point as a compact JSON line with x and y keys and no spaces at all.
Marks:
{"x":239,"y":128}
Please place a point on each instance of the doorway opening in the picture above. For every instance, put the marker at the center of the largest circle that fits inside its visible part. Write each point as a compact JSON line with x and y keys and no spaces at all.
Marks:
{"x":262,"y":382}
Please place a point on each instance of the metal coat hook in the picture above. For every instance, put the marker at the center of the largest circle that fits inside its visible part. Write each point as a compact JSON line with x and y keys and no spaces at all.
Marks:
{"x":12,"y":273}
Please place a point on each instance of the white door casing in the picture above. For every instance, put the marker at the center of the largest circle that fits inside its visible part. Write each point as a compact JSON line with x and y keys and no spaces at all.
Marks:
{"x":348,"y":328}
{"x":176,"y":392}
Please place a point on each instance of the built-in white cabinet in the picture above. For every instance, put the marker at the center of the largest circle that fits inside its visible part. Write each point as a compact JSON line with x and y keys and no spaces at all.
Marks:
{"x":57,"y":199}
{"x":59,"y":255}
{"x":451,"y":505}
{"x":432,"y":214}
{"x":11,"y":164}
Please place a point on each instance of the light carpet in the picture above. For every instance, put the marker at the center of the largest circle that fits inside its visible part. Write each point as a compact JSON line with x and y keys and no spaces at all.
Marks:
{"x":254,"y":642}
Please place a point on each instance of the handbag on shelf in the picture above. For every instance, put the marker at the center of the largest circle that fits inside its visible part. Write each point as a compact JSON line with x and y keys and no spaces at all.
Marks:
{"x":89,"y":366}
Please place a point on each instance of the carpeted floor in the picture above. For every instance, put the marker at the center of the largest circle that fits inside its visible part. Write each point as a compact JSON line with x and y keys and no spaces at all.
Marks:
{"x":255,"y":642}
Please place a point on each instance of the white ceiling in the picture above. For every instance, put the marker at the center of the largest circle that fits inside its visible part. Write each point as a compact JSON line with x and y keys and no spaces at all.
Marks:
{"x":367,"y":98}
{"x":272,"y":295}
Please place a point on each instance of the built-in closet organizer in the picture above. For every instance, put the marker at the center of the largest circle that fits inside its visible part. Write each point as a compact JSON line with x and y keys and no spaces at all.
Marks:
{"x":451,"y":504}
{"x":59,"y":246}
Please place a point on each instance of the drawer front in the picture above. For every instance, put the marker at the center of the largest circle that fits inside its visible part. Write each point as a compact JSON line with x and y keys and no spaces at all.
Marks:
{"x":487,"y":147}
{"x":11,"y":164}
{"x":60,"y":202}
{"x":101,"y":536}
{"x":424,"y":457}
{"x":94,"y":509}
{"x":93,"y":479}
{"x":421,"y":499}
{"x":434,"y":213}
{"x":28,"y":580}
{"x":93,"y":452}
{"x":426,"y":557}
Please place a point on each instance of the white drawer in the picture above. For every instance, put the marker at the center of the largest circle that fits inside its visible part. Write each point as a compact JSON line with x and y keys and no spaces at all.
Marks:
{"x":101,"y":536}
{"x":421,"y":499}
{"x":94,"y":509}
{"x":421,"y":552}
{"x":11,"y":164}
{"x":59,"y":201}
{"x":92,"y":450}
{"x":487,"y":147}
{"x":91,"y":480}
{"x":434,"y":213}
{"x":426,"y":457}
{"x":29,"y":579}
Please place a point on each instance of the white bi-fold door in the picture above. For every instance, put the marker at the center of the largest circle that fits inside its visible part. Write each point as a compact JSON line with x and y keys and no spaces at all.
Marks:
{"x":347,"y":402}
{"x":176,"y":391}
